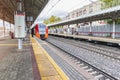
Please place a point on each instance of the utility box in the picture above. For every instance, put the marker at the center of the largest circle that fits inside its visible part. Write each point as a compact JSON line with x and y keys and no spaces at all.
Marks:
{"x":19,"y":24}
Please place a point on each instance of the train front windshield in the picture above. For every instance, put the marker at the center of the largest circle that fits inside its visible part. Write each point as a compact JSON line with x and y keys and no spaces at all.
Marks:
{"x":42,"y":29}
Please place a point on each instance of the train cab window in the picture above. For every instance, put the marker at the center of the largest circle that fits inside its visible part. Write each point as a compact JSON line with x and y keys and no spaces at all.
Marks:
{"x":42,"y":28}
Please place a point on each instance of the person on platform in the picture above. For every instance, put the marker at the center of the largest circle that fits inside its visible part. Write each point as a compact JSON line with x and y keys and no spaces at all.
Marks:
{"x":32,"y":32}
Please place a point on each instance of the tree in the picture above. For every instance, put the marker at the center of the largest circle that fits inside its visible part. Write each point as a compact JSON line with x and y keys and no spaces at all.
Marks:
{"x":108,"y":4}
{"x":46,"y":21}
{"x":110,"y":21}
{"x":52,"y":19}
{"x":58,"y":19}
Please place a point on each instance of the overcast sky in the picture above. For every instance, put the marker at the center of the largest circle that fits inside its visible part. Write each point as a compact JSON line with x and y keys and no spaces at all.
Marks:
{"x":61,"y":8}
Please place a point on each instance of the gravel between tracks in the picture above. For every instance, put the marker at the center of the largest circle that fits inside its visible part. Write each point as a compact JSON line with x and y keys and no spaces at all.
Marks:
{"x":112,"y":67}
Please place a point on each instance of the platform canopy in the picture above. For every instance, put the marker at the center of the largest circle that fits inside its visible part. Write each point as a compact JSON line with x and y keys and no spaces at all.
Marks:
{"x":110,"y":13}
{"x":32,"y":8}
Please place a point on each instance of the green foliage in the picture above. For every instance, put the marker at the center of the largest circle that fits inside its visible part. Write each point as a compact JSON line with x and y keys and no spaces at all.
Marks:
{"x":46,"y":22}
{"x":110,"y":21}
{"x":58,"y":19}
{"x":108,"y":4}
{"x":52,"y":19}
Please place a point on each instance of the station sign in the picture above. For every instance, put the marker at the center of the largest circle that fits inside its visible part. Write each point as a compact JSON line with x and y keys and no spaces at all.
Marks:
{"x":19,"y":18}
{"x":29,"y":18}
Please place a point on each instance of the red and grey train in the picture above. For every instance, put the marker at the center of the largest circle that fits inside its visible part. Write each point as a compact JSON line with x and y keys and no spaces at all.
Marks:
{"x":41,"y":31}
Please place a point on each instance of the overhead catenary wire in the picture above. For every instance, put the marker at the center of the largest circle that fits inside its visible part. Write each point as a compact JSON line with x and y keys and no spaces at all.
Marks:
{"x":51,"y":8}
{"x":46,"y":7}
{"x":48,"y":10}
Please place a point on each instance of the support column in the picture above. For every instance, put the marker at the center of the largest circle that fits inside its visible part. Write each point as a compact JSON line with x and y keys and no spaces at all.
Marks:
{"x":62,"y":29}
{"x":4,"y":27}
{"x":68,"y":30}
{"x":77,"y":28}
{"x":19,"y":44}
{"x":10,"y":27}
{"x":19,"y":8}
{"x":90,"y":29}
{"x":113,"y":32}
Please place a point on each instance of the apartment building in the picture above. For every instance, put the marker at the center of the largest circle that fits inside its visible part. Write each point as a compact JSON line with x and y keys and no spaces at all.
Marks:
{"x":93,"y":7}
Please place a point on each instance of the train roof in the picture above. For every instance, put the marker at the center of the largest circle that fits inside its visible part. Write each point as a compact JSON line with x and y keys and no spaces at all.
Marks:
{"x":37,"y":24}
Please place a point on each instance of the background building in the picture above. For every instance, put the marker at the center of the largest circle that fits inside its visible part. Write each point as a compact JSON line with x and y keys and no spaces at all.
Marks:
{"x":90,"y":8}
{"x":93,"y":7}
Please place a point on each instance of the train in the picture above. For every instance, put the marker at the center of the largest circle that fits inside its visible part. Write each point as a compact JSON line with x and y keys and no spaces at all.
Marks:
{"x":41,"y":31}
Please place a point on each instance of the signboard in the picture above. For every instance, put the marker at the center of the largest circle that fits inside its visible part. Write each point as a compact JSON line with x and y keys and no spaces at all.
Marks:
{"x":29,"y":18}
{"x":20,"y":25}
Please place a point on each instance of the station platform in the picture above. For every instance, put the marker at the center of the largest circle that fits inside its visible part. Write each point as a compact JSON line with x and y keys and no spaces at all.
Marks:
{"x":101,"y":39}
{"x":30,"y":63}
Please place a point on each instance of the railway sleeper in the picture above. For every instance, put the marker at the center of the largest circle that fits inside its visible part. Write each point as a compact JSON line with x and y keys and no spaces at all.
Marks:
{"x":100,"y":77}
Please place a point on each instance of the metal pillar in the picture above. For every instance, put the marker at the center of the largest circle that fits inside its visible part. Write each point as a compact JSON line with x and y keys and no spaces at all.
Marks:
{"x":76,"y":29}
{"x":90,"y":27}
{"x":113,"y":33}
{"x":19,"y":44}
{"x":68,"y":30}
{"x":4,"y":27}
{"x":10,"y":27}
{"x":20,"y":9}
{"x":62,"y":29}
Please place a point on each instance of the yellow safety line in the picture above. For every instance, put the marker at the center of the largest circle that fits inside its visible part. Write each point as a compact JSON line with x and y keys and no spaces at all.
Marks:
{"x":12,"y":44}
{"x":57,"y":68}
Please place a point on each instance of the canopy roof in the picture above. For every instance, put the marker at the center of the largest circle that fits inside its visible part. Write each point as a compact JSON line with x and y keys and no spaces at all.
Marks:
{"x":31,"y":7}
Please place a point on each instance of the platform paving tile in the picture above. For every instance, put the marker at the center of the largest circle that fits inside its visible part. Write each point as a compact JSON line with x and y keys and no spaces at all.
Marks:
{"x":16,"y":64}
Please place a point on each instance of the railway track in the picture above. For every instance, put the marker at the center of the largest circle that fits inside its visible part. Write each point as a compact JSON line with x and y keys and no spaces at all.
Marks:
{"x":56,"y":54}
{"x":115,"y":55}
{"x":97,"y":72}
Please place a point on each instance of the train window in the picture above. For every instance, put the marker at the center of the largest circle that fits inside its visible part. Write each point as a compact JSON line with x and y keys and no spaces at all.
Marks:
{"x":42,"y":29}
